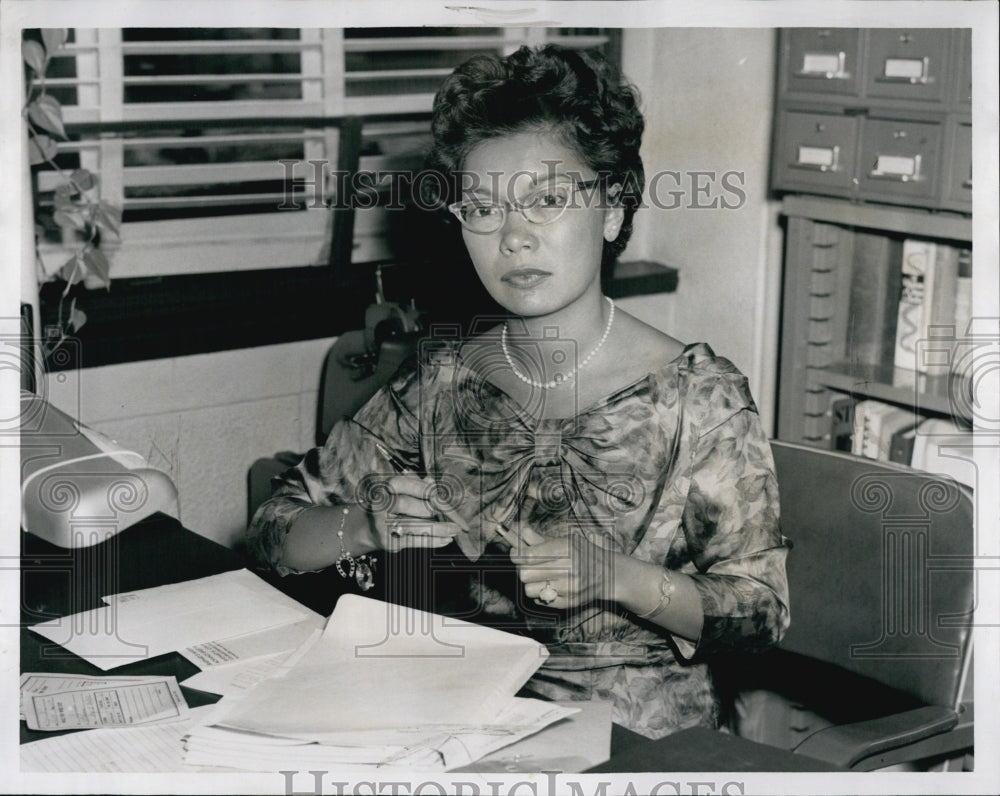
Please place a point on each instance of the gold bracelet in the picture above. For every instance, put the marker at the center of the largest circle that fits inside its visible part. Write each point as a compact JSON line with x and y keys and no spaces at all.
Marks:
{"x":666,"y":590}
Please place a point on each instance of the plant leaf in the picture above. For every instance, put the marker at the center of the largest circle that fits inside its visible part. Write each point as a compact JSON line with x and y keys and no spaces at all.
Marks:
{"x":46,"y":112}
{"x":63,"y":197}
{"x":109,"y":218}
{"x":83,"y":179}
{"x":77,"y":318}
{"x":33,"y":54}
{"x":70,"y":272}
{"x":41,"y":149}
{"x":54,"y":38}
{"x":63,"y":270}
{"x":69,"y":219}
{"x":98,"y":264}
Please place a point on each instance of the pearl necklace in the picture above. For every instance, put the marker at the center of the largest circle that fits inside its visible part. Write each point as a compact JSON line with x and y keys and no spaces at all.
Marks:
{"x":560,"y":378}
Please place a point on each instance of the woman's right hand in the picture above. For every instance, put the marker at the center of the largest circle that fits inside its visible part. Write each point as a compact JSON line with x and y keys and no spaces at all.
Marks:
{"x":410,"y":520}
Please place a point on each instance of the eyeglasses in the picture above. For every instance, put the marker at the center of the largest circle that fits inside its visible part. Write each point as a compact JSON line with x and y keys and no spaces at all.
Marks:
{"x":542,"y":206}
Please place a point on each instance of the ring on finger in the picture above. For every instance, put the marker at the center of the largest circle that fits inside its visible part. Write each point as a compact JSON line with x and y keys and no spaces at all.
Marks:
{"x":548,"y":594}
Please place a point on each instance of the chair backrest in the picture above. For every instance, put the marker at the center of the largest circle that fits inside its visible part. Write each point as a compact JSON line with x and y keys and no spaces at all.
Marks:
{"x":881,"y":578}
{"x":345,"y":387}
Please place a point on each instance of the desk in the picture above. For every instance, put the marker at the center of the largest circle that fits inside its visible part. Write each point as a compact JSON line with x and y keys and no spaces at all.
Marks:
{"x":57,"y":582}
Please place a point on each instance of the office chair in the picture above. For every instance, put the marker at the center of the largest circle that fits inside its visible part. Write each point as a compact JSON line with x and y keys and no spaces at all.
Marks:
{"x":882,"y":589}
{"x":358,"y":363}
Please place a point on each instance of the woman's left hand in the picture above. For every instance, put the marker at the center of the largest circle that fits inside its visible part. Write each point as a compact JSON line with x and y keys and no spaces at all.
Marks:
{"x":566,"y":572}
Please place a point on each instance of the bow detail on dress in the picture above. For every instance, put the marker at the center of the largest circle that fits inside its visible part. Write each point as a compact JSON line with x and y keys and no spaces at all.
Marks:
{"x":499,"y":465}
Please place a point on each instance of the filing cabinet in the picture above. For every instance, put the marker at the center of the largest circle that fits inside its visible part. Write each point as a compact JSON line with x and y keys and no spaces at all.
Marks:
{"x":823,"y":60}
{"x":872,"y":148}
{"x":958,"y":180}
{"x":880,"y":115}
{"x":908,"y":64}
{"x":900,"y":160}
{"x":818,"y":152}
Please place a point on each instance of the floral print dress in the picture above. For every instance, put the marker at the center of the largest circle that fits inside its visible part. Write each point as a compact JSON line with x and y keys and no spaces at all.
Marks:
{"x":672,"y":469}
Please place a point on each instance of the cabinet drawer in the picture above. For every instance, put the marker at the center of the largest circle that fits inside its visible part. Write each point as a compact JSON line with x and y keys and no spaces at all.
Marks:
{"x":822,"y":60}
{"x":907,"y":64}
{"x":958,"y":189}
{"x":816,"y":151}
{"x":899,"y":159}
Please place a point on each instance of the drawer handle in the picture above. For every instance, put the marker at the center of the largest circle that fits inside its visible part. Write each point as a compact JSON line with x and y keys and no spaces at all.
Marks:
{"x":912,"y":71}
{"x":824,"y":66}
{"x":817,"y":158}
{"x":897,"y":168}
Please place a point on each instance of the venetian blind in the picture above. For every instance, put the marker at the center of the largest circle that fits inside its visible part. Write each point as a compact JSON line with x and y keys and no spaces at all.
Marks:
{"x":209,"y":138}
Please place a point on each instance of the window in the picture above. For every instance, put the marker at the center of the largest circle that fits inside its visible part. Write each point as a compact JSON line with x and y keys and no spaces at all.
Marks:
{"x":188,"y":129}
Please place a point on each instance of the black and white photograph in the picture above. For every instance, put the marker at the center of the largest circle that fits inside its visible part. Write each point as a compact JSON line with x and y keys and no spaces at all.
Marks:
{"x":570,"y":397}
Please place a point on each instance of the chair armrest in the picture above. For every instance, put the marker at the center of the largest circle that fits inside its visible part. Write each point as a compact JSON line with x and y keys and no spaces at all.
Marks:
{"x":846,"y":744}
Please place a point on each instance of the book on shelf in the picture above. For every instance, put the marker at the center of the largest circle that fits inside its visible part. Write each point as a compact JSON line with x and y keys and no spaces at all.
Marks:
{"x":876,"y":424}
{"x":874,"y":299}
{"x":895,"y":434}
{"x":918,"y":260}
{"x":945,"y":284}
{"x":927,"y":306}
{"x":961,"y":360}
{"x":842,"y":423}
{"x":941,"y":323}
{"x":901,"y":446}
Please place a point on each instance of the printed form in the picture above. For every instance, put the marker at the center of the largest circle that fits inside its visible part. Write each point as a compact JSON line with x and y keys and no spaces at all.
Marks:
{"x":107,"y":704}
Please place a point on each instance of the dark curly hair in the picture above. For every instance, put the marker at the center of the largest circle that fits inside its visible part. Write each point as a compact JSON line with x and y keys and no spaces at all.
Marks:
{"x":576,"y":94}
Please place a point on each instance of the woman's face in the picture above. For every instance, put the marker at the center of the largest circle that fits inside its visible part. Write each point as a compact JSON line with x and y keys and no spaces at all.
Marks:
{"x":532,"y":269}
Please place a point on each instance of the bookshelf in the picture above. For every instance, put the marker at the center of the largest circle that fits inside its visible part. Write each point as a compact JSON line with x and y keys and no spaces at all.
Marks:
{"x":819,"y":351}
{"x":939,"y":394}
{"x":872,"y":158}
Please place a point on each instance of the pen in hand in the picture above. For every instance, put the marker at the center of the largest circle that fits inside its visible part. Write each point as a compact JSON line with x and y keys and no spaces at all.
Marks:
{"x":525,"y":536}
{"x":399,"y":464}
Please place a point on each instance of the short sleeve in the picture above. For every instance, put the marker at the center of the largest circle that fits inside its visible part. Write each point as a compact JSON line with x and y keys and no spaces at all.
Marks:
{"x":347,"y":469}
{"x":730,"y":522}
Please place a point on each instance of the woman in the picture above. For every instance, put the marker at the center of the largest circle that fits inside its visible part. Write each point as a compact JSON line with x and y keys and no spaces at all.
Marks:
{"x":612,"y":485}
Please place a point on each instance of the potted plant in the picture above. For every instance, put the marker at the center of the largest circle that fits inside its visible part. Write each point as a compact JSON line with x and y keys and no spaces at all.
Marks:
{"x":77,"y":215}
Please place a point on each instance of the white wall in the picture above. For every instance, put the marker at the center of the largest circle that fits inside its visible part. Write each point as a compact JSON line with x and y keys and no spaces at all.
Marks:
{"x":204,"y":419}
{"x":708,"y":102}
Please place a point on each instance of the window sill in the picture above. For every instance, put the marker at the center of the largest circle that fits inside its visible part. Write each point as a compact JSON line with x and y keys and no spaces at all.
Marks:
{"x":152,"y":318}
{"x":641,"y":278}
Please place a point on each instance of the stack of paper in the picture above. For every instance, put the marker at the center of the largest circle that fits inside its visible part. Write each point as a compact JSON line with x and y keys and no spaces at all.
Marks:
{"x":142,"y":624}
{"x":147,"y":748}
{"x":383,"y":686}
{"x":231,"y":666}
